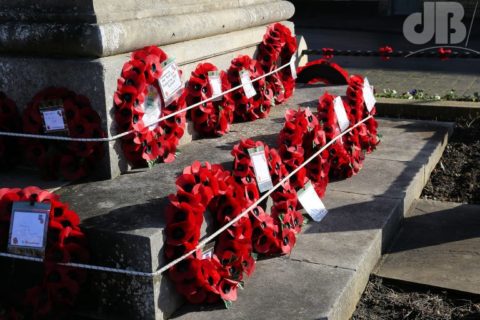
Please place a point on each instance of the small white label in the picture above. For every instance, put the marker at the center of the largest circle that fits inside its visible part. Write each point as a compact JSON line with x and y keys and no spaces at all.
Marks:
{"x":368,"y":95}
{"x":293,"y":66}
{"x":53,"y":119}
{"x":247,"y":84}
{"x":207,"y":251}
{"x":260,"y":166}
{"x":170,"y":81}
{"x":152,"y":107}
{"x":342,"y":117}
{"x":216,"y":85}
{"x":312,"y":203}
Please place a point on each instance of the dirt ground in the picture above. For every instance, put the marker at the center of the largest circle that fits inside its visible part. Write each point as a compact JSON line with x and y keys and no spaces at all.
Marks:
{"x":389,"y":300}
{"x":457,"y":176}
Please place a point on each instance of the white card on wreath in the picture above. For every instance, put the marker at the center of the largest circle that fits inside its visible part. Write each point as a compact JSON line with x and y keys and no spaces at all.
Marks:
{"x":341,"y":113}
{"x":152,"y":108}
{"x":215,"y":84}
{"x":260,"y":167}
{"x":312,"y":203}
{"x":247,"y":84}
{"x":368,"y":95}
{"x":54,"y":119}
{"x":28,"y":228}
{"x":170,"y":81}
{"x":293,"y":66}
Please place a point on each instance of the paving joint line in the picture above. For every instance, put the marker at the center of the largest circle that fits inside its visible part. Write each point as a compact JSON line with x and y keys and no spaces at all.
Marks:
{"x":323,"y":264}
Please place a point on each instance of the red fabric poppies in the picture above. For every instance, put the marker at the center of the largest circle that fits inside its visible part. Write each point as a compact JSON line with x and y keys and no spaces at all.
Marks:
{"x":10,"y":122}
{"x":301,"y":137}
{"x":276,"y":49}
{"x":211,"y":118}
{"x":56,"y":293}
{"x":65,"y":159}
{"x":137,"y":99}
{"x":274,"y":232}
{"x":199,"y":278}
{"x":258,"y":106}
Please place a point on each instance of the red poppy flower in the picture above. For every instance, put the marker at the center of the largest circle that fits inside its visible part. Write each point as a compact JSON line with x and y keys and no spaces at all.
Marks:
{"x":444,"y":54}
{"x":385,"y":52}
{"x":327,"y":53}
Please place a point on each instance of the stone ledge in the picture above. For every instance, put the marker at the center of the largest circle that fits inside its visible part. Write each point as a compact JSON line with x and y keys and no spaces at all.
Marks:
{"x":427,"y":110}
{"x":107,"y":39}
{"x":101,"y":11}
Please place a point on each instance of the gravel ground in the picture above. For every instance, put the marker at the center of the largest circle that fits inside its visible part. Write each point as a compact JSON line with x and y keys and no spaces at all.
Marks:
{"x":389,"y":300}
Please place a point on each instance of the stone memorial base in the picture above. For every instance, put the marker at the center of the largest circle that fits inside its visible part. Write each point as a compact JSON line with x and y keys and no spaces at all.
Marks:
{"x":84,"y":47}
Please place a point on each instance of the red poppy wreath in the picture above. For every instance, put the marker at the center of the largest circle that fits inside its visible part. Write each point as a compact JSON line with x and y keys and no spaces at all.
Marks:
{"x":70,"y":115}
{"x":138,"y":102}
{"x":9,"y":122}
{"x":211,"y":118}
{"x":346,"y":156}
{"x":276,"y":49}
{"x":56,"y":293}
{"x":203,"y":276}
{"x":367,"y":131}
{"x":301,"y":137}
{"x":274,"y":232}
{"x":257,"y":106}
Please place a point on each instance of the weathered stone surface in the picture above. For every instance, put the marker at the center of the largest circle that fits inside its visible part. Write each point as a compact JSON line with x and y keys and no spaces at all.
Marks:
{"x":111,"y":38}
{"x":439,"y":245}
{"x":352,"y":228}
{"x":23,"y":77}
{"x":282,"y":288}
{"x":99,"y":11}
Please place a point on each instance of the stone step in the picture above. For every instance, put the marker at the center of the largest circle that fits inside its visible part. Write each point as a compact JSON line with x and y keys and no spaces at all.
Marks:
{"x":438,"y":245}
{"x":329,"y":267}
{"x":124,"y":222}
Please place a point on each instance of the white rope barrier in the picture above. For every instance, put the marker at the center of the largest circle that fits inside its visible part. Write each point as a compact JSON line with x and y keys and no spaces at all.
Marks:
{"x":206,"y":240}
{"x":126,"y":133}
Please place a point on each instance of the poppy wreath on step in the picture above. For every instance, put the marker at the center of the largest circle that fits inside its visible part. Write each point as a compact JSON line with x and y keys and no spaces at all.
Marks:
{"x":258,"y":106}
{"x":200,"y":278}
{"x":138,"y":101}
{"x":301,"y":137}
{"x":211,"y":118}
{"x":274,"y":232}
{"x":345,"y":156}
{"x":55,"y":294}
{"x":70,"y":160}
{"x":9,"y":122}
{"x":276,"y":49}
{"x":367,"y":131}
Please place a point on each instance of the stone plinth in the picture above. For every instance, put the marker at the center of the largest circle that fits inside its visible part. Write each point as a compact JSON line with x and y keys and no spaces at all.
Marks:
{"x":84,"y":44}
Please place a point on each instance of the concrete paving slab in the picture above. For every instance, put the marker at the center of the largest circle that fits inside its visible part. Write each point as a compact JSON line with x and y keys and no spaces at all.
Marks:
{"x":354,"y":226}
{"x":282,"y":289}
{"x":386,"y":178}
{"x":439,"y":245}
